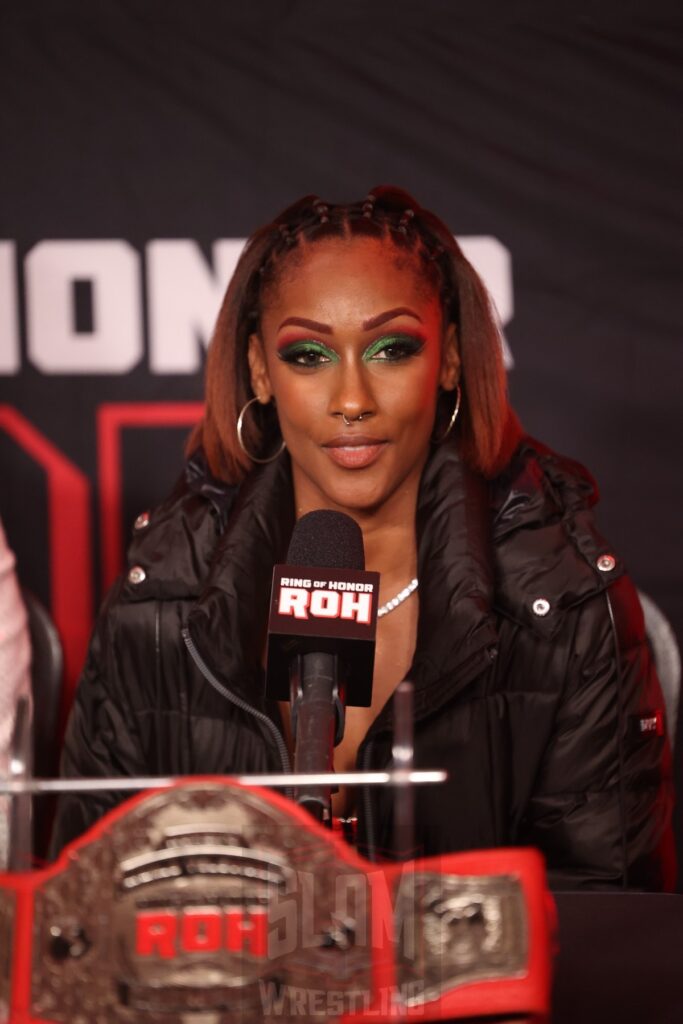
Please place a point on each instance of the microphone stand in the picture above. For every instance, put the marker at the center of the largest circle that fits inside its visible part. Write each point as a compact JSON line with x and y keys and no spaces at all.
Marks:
{"x":19,"y":824}
{"x":402,"y":762}
{"x":318,"y":721}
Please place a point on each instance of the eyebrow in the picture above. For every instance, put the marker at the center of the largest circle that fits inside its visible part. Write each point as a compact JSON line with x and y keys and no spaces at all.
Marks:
{"x":375,"y":321}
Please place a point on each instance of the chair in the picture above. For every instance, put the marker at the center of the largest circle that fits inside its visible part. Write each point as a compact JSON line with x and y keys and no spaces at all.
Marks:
{"x":47,"y":664}
{"x":667,"y":657}
{"x":20,"y":819}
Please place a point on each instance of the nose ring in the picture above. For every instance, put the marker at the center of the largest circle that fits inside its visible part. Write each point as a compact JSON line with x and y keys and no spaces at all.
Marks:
{"x":356,"y":419}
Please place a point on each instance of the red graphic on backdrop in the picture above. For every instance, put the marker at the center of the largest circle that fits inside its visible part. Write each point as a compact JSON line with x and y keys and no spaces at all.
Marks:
{"x":112,"y":418}
{"x":70,"y":528}
{"x":70,"y":540}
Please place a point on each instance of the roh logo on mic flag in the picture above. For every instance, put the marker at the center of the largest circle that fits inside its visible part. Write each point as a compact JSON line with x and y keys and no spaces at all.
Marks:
{"x":315,"y":608}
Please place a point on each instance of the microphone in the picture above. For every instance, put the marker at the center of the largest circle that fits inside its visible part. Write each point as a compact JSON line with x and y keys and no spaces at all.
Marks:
{"x":321,"y":640}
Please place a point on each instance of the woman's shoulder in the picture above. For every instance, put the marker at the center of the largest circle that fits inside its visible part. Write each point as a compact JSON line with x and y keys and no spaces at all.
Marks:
{"x":173,"y":544}
{"x":538,"y":479}
{"x":550,"y":555}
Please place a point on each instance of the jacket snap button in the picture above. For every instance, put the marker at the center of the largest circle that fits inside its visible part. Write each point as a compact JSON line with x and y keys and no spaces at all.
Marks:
{"x":137,"y":574}
{"x":142,"y":521}
{"x":606,"y":563}
{"x":541,"y":606}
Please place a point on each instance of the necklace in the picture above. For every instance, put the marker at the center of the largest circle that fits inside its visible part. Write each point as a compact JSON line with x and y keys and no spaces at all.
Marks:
{"x":399,"y":599}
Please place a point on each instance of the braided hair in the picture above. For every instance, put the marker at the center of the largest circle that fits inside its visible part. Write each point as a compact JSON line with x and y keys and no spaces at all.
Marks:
{"x":487,"y":430}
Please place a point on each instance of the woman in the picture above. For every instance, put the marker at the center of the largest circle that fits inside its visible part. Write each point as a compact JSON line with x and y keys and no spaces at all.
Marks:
{"x":15,"y":683}
{"x":356,"y":366}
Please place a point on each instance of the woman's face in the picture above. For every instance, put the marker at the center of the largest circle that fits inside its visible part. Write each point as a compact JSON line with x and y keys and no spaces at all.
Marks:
{"x":352,"y":329}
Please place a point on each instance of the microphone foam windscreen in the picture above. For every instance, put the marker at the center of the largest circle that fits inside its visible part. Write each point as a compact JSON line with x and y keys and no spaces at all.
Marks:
{"x":329,"y":539}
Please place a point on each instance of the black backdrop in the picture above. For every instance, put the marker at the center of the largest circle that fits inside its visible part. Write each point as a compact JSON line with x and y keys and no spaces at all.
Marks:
{"x":551,"y":141}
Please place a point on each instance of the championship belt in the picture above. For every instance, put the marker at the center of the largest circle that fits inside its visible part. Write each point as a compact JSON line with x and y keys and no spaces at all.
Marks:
{"x":212,"y":902}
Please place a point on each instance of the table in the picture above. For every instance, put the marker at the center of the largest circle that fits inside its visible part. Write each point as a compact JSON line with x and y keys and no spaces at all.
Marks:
{"x":620,"y":959}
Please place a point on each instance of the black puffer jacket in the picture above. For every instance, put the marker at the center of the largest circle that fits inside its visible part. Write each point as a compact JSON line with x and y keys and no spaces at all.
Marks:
{"x":532,"y":679}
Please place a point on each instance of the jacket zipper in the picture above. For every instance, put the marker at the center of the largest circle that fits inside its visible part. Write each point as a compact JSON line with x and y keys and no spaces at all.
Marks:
{"x":238,"y":701}
{"x":620,"y":742}
{"x":367,"y":806}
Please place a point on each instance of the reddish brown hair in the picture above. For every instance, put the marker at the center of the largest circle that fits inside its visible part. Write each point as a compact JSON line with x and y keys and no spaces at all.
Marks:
{"x":487,"y":428}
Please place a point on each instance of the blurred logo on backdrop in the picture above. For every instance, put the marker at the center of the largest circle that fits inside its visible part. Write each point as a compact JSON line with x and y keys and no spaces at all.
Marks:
{"x":90,"y":304}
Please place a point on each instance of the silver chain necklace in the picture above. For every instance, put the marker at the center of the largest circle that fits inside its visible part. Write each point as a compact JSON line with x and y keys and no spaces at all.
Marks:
{"x":399,"y":599}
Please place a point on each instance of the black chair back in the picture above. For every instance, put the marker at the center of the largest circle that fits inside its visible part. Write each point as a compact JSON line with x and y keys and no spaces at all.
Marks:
{"x":667,"y":657}
{"x":47,"y":666}
{"x":47,"y":669}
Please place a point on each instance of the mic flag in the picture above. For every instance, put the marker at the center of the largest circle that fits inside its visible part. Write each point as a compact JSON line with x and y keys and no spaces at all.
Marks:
{"x":324,"y":601}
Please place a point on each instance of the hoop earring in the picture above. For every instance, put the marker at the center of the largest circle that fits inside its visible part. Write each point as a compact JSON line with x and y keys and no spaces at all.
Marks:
{"x":454,"y":416}
{"x":240,"y":439}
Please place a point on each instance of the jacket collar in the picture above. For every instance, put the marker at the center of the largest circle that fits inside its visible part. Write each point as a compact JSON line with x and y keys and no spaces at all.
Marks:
{"x":456,"y":628}
{"x":228,"y":623}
